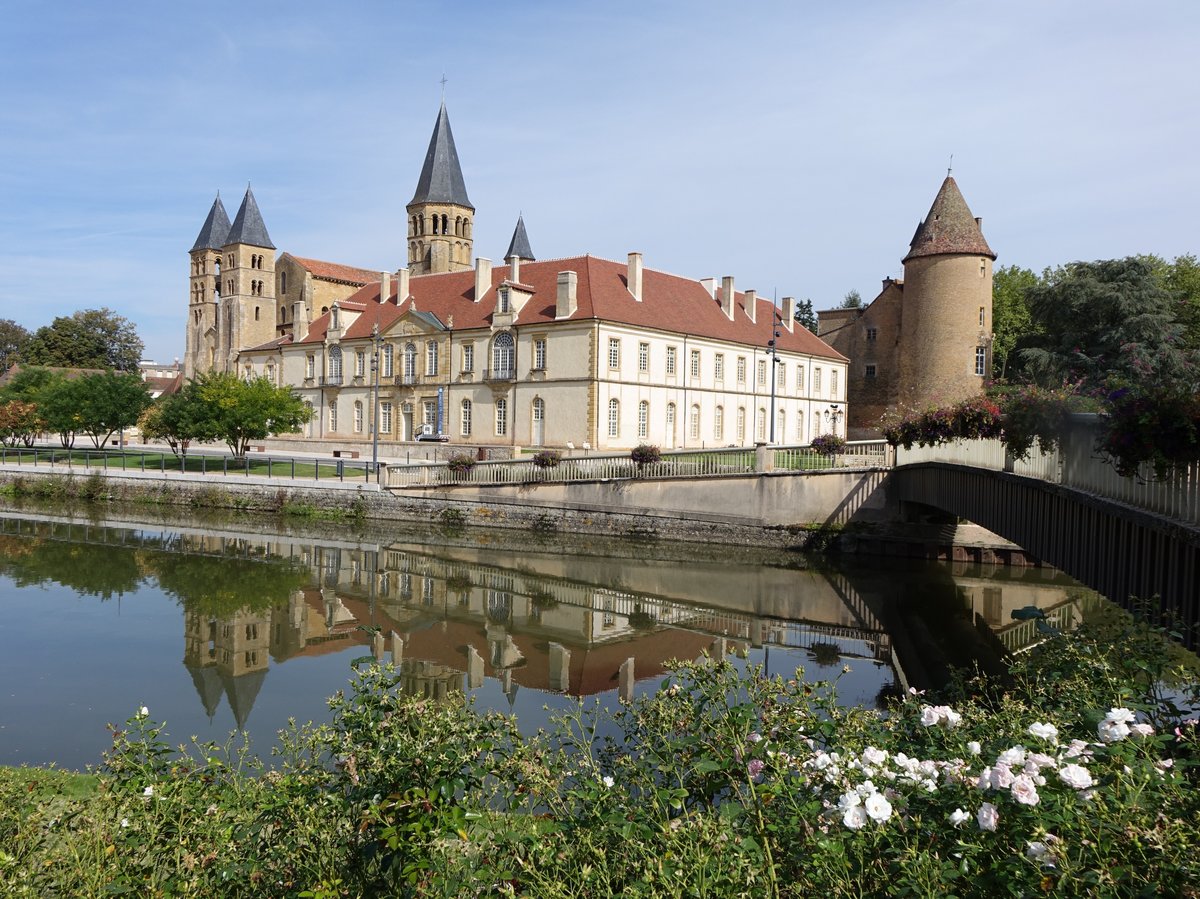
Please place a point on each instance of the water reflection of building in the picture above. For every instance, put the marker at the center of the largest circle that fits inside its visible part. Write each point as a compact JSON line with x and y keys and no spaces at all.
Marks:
{"x":227,"y":656}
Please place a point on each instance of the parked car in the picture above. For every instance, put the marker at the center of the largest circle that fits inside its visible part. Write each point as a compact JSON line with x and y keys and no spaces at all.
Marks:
{"x":427,"y":432}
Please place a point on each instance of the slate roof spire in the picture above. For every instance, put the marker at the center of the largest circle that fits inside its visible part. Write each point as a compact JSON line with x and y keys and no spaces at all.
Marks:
{"x":441,"y":178}
{"x":248,"y":226}
{"x":949,"y":227}
{"x":216,"y":228}
{"x":519,"y":245}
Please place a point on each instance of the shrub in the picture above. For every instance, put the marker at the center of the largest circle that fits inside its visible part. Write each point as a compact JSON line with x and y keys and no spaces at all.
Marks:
{"x":974,"y":418}
{"x":547,"y":458}
{"x":1158,"y":427}
{"x":1036,"y":414}
{"x":829,"y":445}
{"x":460,"y":463}
{"x":645,"y":454}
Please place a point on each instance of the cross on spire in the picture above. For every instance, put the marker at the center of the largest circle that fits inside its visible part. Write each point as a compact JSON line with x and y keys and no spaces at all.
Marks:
{"x":443,"y":87}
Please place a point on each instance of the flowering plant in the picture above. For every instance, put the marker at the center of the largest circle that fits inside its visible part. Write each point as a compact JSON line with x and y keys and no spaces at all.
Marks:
{"x":645,"y":454}
{"x":1159,"y":427}
{"x":460,"y":463}
{"x":547,"y":459}
{"x":829,"y":445}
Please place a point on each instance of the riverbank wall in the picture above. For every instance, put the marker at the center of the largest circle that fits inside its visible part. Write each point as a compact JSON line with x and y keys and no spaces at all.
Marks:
{"x":846,"y":510}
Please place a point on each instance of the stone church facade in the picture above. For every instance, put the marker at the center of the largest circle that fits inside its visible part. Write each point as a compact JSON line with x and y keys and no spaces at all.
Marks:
{"x":575,"y":351}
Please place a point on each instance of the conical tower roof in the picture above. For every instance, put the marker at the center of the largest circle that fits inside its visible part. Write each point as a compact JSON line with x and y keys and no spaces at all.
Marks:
{"x":441,"y":178}
{"x":949,"y":227}
{"x":240,"y":692}
{"x":248,"y":227}
{"x":519,"y":245}
{"x":216,"y":228}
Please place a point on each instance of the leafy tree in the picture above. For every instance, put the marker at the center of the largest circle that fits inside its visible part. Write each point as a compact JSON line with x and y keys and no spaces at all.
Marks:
{"x":90,"y":569}
{"x":227,"y":408}
{"x":207,"y":586}
{"x":19,"y":422}
{"x":1182,"y":278}
{"x":29,"y":383}
{"x":1010,"y":312}
{"x":852,"y":300}
{"x":174,"y":419}
{"x":59,"y":403}
{"x":90,"y":338}
{"x":805,"y":315}
{"x":13,"y":338}
{"x":1107,"y":324}
{"x":108,"y":403}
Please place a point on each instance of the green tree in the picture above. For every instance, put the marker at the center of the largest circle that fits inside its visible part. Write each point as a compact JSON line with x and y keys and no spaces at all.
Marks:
{"x":109,"y":402}
{"x":852,"y":300}
{"x":1107,"y":324}
{"x":175,"y":419}
{"x":236,"y":411}
{"x":805,"y":315}
{"x":1182,"y":278}
{"x":19,"y":422}
{"x":91,"y":338}
{"x":60,"y":403}
{"x":13,"y":339}
{"x":1011,"y":319}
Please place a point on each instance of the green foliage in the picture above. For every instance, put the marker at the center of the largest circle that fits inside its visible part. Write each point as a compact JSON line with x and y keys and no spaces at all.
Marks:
{"x":90,"y":338}
{"x":1107,"y":324}
{"x":91,"y":570}
{"x":460,"y":463}
{"x":13,"y":339}
{"x":645,"y":454}
{"x":221,"y":590}
{"x":852,"y":300}
{"x":974,"y":418}
{"x":177,"y":419}
{"x":19,"y":422}
{"x":805,"y":316}
{"x":1011,"y":318}
{"x":222,"y":406}
{"x":1037,"y":415}
{"x":547,"y":459}
{"x":1159,"y":427}
{"x":108,"y":403}
{"x":829,"y":445}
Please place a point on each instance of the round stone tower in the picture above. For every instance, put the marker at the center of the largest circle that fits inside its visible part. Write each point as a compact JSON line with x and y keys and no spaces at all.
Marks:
{"x":946,"y":318}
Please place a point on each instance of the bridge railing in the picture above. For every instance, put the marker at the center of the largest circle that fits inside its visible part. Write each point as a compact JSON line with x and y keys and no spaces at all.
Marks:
{"x":688,"y":463}
{"x":1076,"y":464}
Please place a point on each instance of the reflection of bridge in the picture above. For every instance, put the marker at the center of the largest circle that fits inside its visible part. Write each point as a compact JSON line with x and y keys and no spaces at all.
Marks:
{"x":1125,"y":537}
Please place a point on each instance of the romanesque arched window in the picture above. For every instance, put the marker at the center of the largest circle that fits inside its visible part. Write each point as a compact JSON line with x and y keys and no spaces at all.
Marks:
{"x":335,"y":364}
{"x":410,"y":363}
{"x":503,"y":355}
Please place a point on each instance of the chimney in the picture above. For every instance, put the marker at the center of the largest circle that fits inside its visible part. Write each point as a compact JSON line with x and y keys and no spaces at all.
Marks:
{"x":710,"y":284}
{"x":401,"y":285}
{"x":979,"y":222}
{"x":514,"y":264}
{"x":788,"y":313}
{"x":567,"y":300}
{"x":751,"y":304}
{"x":385,"y":286}
{"x":635,"y":276}
{"x":727,"y":296}
{"x":483,"y":277}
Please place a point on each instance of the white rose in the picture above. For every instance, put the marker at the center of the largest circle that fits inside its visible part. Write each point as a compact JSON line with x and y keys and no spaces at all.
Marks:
{"x":958,"y":817}
{"x":855,"y":817}
{"x":1076,"y":777}
{"x":974,"y":748}
{"x":1121,"y":716}
{"x":1044,"y":731}
{"x":987,"y":817}
{"x":1024,"y":790}
{"x":878,"y":807}
{"x":930,"y":716}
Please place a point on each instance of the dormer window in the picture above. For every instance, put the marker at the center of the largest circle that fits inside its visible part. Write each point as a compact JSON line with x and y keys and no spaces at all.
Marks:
{"x":504,"y":306}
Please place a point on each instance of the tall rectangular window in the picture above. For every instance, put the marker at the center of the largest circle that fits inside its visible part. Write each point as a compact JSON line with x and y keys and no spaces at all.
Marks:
{"x":468,"y":357}
{"x":816,"y":382}
{"x":643,"y":357}
{"x":614,"y":352}
{"x":833,"y":384}
{"x":501,"y":417}
{"x":780,"y":375}
{"x":643,"y":419}
{"x":741,"y":370}
{"x":431,"y":358}
{"x":694,"y":423}
{"x":741,"y":424}
{"x":980,"y":361}
{"x":719,"y":367}
{"x":695,"y":364}
{"x":310,"y":365}
{"x":800,"y":378}
{"x":539,"y":353}
{"x":614,"y":418}
{"x":465,"y":419}
{"x":360,"y":364}
{"x":719,"y":423}
{"x":333,"y":415}
{"x":430,"y":408}
{"x":670,"y":360}
{"x":385,"y":418}
{"x":762,"y":371}
{"x":389,"y":356}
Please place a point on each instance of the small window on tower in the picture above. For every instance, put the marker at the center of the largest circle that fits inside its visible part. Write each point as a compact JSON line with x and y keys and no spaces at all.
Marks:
{"x":256,"y":310}
{"x":982,"y":316}
{"x":872,"y":333}
{"x":980,"y":361}
{"x":870,"y":373}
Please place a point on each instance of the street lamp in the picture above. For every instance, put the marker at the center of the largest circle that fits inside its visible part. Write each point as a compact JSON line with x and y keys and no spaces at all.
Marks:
{"x":773,"y":349}
{"x":834,"y":414}
{"x":376,"y":337}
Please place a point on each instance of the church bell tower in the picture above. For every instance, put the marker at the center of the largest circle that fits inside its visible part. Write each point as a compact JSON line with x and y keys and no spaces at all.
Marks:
{"x":440,"y":216}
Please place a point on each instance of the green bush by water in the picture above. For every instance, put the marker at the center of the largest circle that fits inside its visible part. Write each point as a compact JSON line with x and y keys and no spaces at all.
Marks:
{"x":1073,"y":776}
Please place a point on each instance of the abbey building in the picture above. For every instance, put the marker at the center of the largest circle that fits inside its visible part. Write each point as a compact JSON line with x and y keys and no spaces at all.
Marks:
{"x":575,"y":351}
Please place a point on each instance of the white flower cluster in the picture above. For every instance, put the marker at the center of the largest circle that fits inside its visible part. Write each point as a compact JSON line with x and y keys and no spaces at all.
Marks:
{"x":1121,"y":723}
{"x":943,"y":715}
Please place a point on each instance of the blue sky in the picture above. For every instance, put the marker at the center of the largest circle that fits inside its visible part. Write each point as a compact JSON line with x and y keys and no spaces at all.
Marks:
{"x":794,"y":145}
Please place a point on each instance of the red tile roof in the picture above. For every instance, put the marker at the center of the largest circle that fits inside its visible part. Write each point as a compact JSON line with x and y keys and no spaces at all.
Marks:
{"x":335,"y":272}
{"x":669,"y":303}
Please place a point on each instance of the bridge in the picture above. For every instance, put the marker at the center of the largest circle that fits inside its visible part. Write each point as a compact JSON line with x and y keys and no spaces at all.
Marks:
{"x":1122,"y":536}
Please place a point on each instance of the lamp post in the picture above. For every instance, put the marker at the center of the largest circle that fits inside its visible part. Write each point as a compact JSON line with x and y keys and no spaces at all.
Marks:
{"x":834,"y":414}
{"x":773,"y":349}
{"x":376,"y":337}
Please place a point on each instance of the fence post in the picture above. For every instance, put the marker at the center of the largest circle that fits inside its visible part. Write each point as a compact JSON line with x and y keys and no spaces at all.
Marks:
{"x":293,"y":468}
{"x":225,"y":466}
{"x":247,"y":459}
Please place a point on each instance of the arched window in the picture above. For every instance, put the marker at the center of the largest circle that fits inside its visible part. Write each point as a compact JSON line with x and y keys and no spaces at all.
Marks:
{"x":271,"y":372}
{"x":465,"y":419}
{"x":671,"y":424}
{"x":466,"y":227}
{"x":501,"y":417}
{"x":614,"y":418}
{"x":445,"y":223}
{"x":388,"y":356}
{"x":537,"y":412}
{"x":503,"y":355}
{"x":358,"y":416}
{"x":800,"y":427}
{"x":333,"y":415}
{"x":643,"y":419}
{"x":780,"y":427}
{"x":434,"y":225}
{"x":694,"y":424}
{"x":458,"y":226}
{"x":335,"y":364}
{"x":283,"y":282}
{"x":760,"y":427}
{"x":741,"y":425}
{"x":719,"y":423}
{"x":410,"y":363}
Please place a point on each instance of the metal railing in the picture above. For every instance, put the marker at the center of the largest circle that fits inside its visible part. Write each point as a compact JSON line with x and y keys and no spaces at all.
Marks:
{"x":116,"y":462}
{"x":500,"y":374}
{"x":687,"y":463}
{"x":1076,"y":464}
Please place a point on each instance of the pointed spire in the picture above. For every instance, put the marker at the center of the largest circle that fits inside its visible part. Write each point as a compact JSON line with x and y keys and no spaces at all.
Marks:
{"x":240,"y":693}
{"x":216,"y":228}
{"x":441,"y":178}
{"x":949,"y":227}
{"x":248,"y":226}
{"x":519,"y":245}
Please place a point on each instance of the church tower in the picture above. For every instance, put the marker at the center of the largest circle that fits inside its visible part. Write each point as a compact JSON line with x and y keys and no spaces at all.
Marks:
{"x":946,"y":318}
{"x":247,"y":281}
{"x":201,"y":352}
{"x":440,"y":216}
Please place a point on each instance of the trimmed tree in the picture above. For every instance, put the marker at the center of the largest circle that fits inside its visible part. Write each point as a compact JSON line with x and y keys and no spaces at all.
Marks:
{"x":108,"y":403}
{"x":227,"y":408}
